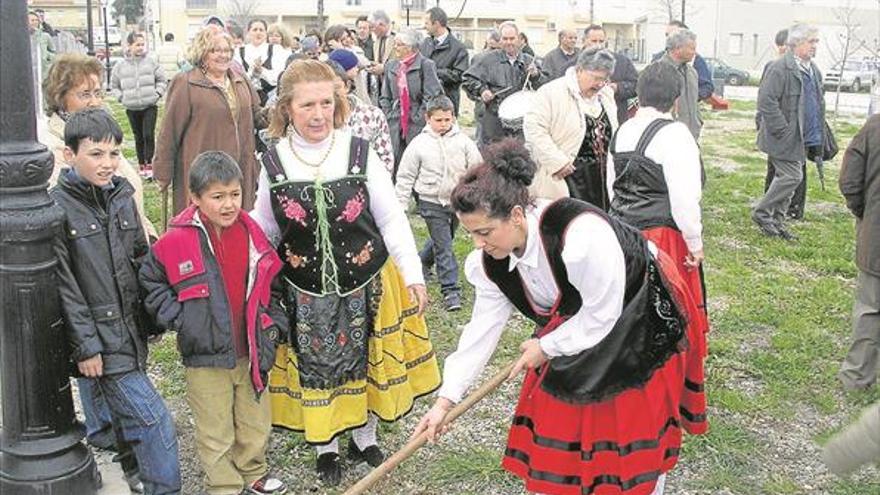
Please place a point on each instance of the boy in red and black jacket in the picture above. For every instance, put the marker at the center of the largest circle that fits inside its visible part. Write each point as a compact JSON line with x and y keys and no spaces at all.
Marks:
{"x":209,"y":277}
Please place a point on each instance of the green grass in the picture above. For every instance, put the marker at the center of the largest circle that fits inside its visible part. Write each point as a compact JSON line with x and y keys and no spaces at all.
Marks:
{"x":780,"y":316}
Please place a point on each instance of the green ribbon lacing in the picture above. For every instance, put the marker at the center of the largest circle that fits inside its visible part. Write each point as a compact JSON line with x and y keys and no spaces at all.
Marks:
{"x":324,"y":199}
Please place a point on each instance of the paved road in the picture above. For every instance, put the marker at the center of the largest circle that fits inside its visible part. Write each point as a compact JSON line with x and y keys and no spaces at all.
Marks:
{"x":850,"y":103}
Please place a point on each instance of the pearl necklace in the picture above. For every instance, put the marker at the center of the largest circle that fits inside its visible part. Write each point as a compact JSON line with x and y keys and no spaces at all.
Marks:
{"x":298,"y":157}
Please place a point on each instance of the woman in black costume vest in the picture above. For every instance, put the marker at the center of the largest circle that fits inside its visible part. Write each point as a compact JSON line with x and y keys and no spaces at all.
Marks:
{"x":605,"y":369}
{"x":353,"y":286}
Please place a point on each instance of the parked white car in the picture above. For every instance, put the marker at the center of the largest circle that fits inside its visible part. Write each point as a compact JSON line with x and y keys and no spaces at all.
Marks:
{"x":855,"y":76}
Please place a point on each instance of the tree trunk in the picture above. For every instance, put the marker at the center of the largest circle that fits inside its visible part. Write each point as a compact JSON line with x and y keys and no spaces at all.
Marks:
{"x":842,"y":65}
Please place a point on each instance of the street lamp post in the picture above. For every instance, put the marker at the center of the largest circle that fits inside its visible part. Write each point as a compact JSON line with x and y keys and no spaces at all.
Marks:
{"x":407,"y":4}
{"x":106,"y":40}
{"x":40,"y":440}
{"x":90,"y":26}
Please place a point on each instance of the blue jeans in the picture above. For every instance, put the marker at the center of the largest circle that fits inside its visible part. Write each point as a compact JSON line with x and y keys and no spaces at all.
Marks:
{"x":145,"y":428}
{"x":442,"y":224}
{"x":98,"y":420}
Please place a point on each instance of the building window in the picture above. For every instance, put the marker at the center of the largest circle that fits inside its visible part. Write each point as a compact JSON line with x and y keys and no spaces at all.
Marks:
{"x":352,"y":2}
{"x":735,"y":44}
{"x":201,"y":4}
{"x":413,"y":4}
{"x":755,"y":44}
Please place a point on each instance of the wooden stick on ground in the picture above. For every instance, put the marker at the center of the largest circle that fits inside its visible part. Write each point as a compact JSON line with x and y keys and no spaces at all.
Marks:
{"x":416,"y":443}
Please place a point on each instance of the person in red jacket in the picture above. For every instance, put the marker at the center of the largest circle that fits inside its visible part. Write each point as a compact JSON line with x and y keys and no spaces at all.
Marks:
{"x":209,"y":277}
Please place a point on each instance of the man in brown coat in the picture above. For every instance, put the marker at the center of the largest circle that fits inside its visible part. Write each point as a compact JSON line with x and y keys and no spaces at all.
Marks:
{"x":199,"y":116}
{"x":860,"y":185}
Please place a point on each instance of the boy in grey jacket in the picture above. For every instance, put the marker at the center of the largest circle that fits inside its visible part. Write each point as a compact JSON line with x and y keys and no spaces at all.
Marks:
{"x":431,"y":166}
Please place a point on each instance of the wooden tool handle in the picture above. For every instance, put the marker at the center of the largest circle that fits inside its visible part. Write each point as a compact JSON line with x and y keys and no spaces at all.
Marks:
{"x":416,"y":443}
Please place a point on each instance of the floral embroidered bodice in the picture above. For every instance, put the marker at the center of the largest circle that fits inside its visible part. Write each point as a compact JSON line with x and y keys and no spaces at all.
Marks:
{"x":329,"y":239}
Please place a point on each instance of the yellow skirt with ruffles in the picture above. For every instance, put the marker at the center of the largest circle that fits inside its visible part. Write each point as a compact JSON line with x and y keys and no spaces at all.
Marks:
{"x":401,"y":367}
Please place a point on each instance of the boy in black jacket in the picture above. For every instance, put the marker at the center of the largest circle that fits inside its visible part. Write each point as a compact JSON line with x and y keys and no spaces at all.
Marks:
{"x":98,"y":252}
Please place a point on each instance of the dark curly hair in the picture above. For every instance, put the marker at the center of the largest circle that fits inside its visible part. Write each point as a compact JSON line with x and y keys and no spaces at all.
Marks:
{"x":498,"y":184}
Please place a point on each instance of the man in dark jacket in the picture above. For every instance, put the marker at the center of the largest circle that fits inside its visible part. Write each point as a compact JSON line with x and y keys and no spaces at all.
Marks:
{"x":624,"y":77}
{"x":792,"y":108}
{"x":448,"y":53}
{"x":559,"y":59}
{"x":681,"y":47}
{"x":99,"y":250}
{"x":497,"y":75}
{"x":860,"y":185}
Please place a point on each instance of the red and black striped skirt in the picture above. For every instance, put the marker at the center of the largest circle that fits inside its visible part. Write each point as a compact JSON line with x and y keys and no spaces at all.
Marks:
{"x":617,"y":446}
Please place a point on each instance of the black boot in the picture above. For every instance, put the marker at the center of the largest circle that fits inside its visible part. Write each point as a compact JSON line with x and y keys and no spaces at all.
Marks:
{"x":372,"y":455}
{"x":329,"y":469}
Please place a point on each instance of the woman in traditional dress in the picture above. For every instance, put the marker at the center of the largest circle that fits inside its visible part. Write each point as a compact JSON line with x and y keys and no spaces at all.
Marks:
{"x":599,"y":407}
{"x":353,"y":285}
{"x":655,"y":184}
{"x":568,"y":130}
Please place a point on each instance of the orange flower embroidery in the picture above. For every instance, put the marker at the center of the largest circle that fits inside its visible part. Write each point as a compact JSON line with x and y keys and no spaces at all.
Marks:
{"x":295,"y":260}
{"x":363,"y":257}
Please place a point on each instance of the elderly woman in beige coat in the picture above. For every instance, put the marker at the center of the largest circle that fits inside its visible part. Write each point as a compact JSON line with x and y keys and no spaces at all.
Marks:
{"x":568,"y":130}
{"x":210,"y":107}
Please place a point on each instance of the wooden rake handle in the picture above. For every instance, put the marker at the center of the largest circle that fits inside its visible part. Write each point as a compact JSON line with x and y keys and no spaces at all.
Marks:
{"x":416,"y":443}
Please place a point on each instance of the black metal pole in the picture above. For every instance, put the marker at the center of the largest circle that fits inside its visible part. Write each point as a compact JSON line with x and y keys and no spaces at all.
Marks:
{"x":40,"y":440}
{"x":90,"y":26}
{"x":682,"y":11}
{"x":106,"y":41}
{"x":407,"y":17}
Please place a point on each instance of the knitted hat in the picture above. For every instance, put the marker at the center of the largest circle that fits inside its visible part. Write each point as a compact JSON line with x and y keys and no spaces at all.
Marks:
{"x":309,"y":43}
{"x":346,"y":58}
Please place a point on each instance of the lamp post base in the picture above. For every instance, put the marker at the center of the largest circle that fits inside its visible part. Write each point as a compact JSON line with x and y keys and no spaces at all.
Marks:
{"x":38,"y":468}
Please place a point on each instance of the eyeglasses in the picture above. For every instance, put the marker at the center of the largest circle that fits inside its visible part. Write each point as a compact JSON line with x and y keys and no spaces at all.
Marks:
{"x":97,"y":94}
{"x":223,"y":51}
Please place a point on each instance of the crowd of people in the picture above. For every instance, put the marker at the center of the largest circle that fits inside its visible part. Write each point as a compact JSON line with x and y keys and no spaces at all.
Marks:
{"x":293,"y":280}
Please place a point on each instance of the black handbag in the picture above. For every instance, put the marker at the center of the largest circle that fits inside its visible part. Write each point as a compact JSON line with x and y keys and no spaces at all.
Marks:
{"x":829,"y":144}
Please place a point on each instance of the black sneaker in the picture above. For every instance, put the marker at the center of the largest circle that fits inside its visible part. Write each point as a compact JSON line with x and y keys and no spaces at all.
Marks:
{"x":329,"y":469}
{"x":372,"y":455}
{"x":134,"y":482}
{"x":452,"y":301}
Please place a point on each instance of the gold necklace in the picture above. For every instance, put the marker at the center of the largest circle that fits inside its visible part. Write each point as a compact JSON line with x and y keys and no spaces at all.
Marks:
{"x":322,"y":160}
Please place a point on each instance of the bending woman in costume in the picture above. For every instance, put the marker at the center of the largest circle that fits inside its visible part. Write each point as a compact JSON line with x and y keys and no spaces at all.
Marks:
{"x":605,"y":369}
{"x":358,"y":347}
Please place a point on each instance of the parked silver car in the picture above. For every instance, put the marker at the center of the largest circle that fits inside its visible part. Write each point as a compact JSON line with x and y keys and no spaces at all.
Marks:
{"x":856,"y":75}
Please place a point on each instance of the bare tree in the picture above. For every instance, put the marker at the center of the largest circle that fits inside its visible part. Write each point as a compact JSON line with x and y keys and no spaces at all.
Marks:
{"x":321,"y":16}
{"x":241,"y":11}
{"x":848,"y":42}
{"x":672,"y":10}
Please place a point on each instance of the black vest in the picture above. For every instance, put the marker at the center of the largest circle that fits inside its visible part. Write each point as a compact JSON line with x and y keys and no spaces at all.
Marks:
{"x":265,"y":88}
{"x":641,"y":197}
{"x":650,"y":330}
{"x":329,"y":239}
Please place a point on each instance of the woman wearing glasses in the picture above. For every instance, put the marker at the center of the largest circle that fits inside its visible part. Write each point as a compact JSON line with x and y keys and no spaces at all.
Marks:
{"x":73,"y":83}
{"x":569,"y":128}
{"x":209,"y":107}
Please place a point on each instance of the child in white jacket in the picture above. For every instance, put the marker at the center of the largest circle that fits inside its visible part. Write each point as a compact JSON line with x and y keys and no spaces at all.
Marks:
{"x":431,"y":166}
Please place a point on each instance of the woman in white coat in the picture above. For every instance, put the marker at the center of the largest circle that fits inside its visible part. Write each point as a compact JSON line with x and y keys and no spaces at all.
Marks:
{"x":568,"y":130}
